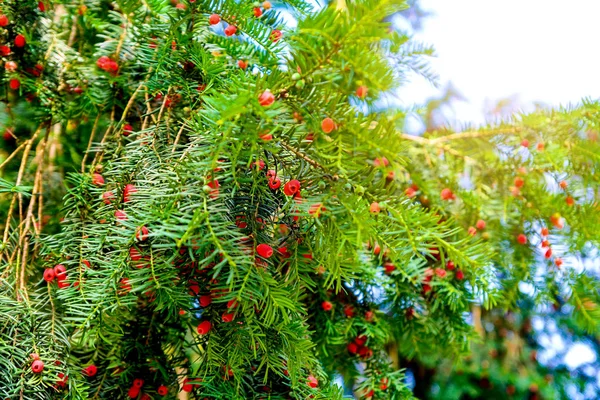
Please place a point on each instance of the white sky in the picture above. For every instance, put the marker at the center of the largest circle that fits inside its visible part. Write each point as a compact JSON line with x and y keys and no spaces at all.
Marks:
{"x":542,"y":50}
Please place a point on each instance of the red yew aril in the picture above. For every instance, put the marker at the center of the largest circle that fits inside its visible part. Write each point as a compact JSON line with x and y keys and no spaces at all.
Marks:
{"x":313,"y":382}
{"x":257,"y":12}
{"x":97,"y":180}
{"x":162,"y":390}
{"x":361,"y":92}
{"x":266,"y":5}
{"x":128,"y":191}
{"x":545,"y":232}
{"x":384,"y":384}
{"x":480,"y":224}
{"x":205,"y":300}
{"x":266,"y":137}
{"x":204,"y":327}
{"x":3,"y":20}
{"x":20,"y":41}
{"x":274,"y":183}
{"x":142,"y":234}
{"x":389,"y":268}
{"x":264,"y":250}
{"x":558,"y":261}
{"x":540,"y":146}
{"x":108,"y":197}
{"x":472,"y":231}
{"x":228,"y":317}
{"x":292,"y":187}
{"x":266,"y":98}
{"x":327,"y":125}
{"x":242,"y":64}
{"x":361,"y":340}
{"x":135,"y":254}
{"x":570,"y":201}
{"x":127,"y":129}
{"x":374,"y":208}
{"x":519,"y":182}
{"x":90,"y":370}
{"x":522,"y":239}
{"x":133,"y":392}
{"x":37,"y":366}
{"x":49,"y":274}
{"x":545,"y":243}
{"x":525,"y":143}
{"x":446,"y":194}
{"x":460,"y":275}
{"x":276,"y":35}
{"x":120,"y":215}
{"x":450,"y":265}
{"x":352,"y":348}
{"x":14,"y":84}
{"x":10,"y":66}
{"x":138,"y":383}
{"x":214,"y":19}
{"x":548,"y":253}
{"x":440,"y":272}
{"x":60,"y":272}
{"x":349,"y":311}
{"x":5,"y":51}
{"x":563,"y":184}
{"x":326,"y":306}
{"x":230,"y":30}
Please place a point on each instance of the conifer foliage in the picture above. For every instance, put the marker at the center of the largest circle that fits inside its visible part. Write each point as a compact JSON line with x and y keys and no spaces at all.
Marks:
{"x":238,"y":219}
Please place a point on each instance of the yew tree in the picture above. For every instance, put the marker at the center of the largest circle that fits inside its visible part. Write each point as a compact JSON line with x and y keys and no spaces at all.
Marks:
{"x":213,"y":199}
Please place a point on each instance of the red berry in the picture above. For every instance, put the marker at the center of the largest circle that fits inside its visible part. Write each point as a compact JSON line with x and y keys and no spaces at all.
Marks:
{"x":374,"y":208}
{"x":138,"y":383}
{"x":558,"y":261}
{"x":440,"y":272}
{"x":292,"y":187}
{"x":472,"y":231}
{"x":349,"y":311}
{"x":186,"y":386}
{"x":460,"y":275}
{"x":369,"y":316}
{"x":316,"y":209}
{"x":86,"y":263}
{"x":14,"y":84}
{"x":108,"y":197}
{"x":205,"y":300}
{"x":3,"y":20}
{"x":266,"y":98}
{"x":540,"y":146}
{"x":127,"y":129}
{"x":548,"y":253}
{"x":135,"y":254}
{"x":545,"y":232}
{"x":162,"y":390}
{"x":120,"y":215}
{"x":266,"y":5}
{"x":264,"y":250}
{"x":10,"y":66}
{"x":214,"y":19}
{"x":20,"y":41}
{"x":480,"y":224}
{"x":326,"y":305}
{"x":563,"y":184}
{"x":361,"y":92}
{"x":361,"y":340}
{"x":450,"y":265}
{"x":228,"y":317}
{"x":352,"y":348}
{"x":5,"y":51}
{"x":242,"y":64}
{"x":37,"y":366}
{"x":522,"y":239}
{"x":49,"y":274}
{"x":519,"y":182}
{"x":133,"y":392}
{"x":257,"y":12}
{"x":90,"y":370}
{"x":41,"y":6}
{"x":230,"y":30}
{"x":266,"y":137}
{"x":60,"y":272}
{"x":545,"y":243}
{"x":525,"y":143}
{"x":142,"y":234}
{"x":204,"y":327}
{"x":384,"y":384}
{"x":275,"y":183}
{"x":570,"y":201}
{"x":327,"y":125}
{"x":389,"y":268}
{"x":313,"y":382}
{"x":446,"y":194}
{"x":128,"y":191}
{"x":97,"y":180}
{"x":276,"y":35}
{"x":410,"y":192}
